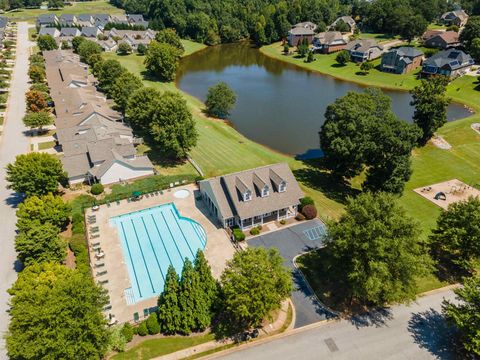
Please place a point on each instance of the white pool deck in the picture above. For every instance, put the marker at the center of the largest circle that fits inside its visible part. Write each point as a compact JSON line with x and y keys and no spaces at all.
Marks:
{"x":218,"y":250}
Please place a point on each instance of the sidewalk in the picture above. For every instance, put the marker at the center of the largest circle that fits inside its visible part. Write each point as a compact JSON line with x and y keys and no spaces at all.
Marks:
{"x":267,"y":330}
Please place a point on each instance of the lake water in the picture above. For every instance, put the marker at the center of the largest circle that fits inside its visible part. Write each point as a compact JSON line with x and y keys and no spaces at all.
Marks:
{"x":278,"y":105}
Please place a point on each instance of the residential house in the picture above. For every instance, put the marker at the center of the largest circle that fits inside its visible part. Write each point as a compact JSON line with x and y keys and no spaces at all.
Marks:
{"x":47,"y":20}
{"x":90,"y":31}
{"x":364,"y":50}
{"x":252,"y":197}
{"x":100,"y":20}
{"x":137,"y":20}
{"x":401,"y":60}
{"x":97,"y":145}
{"x":108,"y":45}
{"x":301,"y":31}
{"x":443,"y":40}
{"x":457,"y":17}
{"x":328,"y":42}
{"x":119,"y":19}
{"x":85,"y":20}
{"x":67,"y":20}
{"x":69,"y":32}
{"x":52,"y":31}
{"x":430,"y":33}
{"x":450,"y":62}
{"x":347,"y":20}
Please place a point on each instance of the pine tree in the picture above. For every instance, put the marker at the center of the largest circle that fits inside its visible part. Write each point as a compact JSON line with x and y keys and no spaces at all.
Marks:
{"x":189,"y":291}
{"x":207,"y":282}
{"x":168,"y":304}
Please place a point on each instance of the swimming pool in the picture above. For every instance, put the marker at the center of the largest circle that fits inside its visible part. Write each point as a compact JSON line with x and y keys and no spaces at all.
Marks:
{"x":153,"y":239}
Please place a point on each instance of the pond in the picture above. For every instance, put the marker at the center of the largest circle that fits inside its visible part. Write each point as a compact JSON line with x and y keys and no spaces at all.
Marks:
{"x":278,"y":104}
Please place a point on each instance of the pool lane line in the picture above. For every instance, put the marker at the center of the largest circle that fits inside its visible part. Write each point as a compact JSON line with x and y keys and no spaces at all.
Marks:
{"x":143,"y":256}
{"x":161,"y":239}
{"x":195,"y":227}
{"x":131,"y":260}
{"x":183,"y":235}
{"x":153,"y":249}
{"x":171,"y":235}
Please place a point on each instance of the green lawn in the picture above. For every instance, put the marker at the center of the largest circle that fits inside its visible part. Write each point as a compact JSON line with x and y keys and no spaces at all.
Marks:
{"x":157,"y":347}
{"x":379,"y":37}
{"x":90,"y":7}
{"x":46,"y":145}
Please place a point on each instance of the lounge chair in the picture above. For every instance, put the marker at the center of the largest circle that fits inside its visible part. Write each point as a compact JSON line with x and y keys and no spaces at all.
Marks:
{"x":101,"y":273}
{"x":171,"y":185}
{"x":99,"y":265}
{"x":94,"y":236}
{"x":97,"y":247}
{"x":108,"y":307}
{"x":96,"y":244}
{"x":103,"y":282}
{"x":118,"y":202}
{"x":108,"y":204}
{"x":147,"y":195}
{"x":177,"y":183}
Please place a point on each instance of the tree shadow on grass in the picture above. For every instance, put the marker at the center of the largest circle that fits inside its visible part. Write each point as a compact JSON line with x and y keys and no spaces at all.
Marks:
{"x":317,"y":177}
{"x":337,"y":65}
{"x":431,"y":331}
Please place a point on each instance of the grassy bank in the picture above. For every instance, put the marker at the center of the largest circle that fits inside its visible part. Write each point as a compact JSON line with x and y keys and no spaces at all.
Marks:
{"x":221,"y":149}
{"x":87,"y":7}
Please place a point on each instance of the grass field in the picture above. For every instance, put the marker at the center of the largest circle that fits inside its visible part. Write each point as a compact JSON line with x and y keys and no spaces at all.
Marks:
{"x":46,"y":145}
{"x":90,"y":7}
{"x":151,"y":348}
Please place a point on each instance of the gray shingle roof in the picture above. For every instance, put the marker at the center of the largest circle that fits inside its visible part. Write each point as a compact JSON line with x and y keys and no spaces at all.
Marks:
{"x":451,"y":58}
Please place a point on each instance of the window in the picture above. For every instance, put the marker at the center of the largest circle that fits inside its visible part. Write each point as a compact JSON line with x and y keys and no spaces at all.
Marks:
{"x":247,"y":196}
{"x":282,"y":187}
{"x":265,"y":191}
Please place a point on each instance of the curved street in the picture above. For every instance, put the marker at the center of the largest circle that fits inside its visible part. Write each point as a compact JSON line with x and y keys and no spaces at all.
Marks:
{"x":13,"y":142}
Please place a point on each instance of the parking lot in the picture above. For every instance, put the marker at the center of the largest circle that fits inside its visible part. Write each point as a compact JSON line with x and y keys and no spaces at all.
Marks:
{"x":291,"y":242}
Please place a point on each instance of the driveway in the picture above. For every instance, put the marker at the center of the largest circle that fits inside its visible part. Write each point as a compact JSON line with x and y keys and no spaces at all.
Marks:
{"x":12,"y":143}
{"x":291,"y":242}
{"x":415,"y":331}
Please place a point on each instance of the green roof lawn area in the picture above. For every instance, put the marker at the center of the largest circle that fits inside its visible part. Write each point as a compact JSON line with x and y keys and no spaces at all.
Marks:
{"x":90,"y":7}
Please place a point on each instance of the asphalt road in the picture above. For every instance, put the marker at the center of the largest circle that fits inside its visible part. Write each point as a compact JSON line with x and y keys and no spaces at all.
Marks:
{"x":12,"y":143}
{"x":291,"y":242}
{"x":417,"y":331}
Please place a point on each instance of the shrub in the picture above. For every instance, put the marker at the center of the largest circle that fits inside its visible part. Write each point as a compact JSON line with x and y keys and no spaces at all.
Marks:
{"x":152,"y":324}
{"x":238,"y":234}
{"x":78,"y":225}
{"x":128,"y":332}
{"x":142,"y":329}
{"x":141,"y":49}
{"x":300,"y":217}
{"x":310,"y":212}
{"x":283,"y":222}
{"x":78,"y":245}
{"x":96,"y":189}
{"x":307,"y":200}
{"x":254,"y":231}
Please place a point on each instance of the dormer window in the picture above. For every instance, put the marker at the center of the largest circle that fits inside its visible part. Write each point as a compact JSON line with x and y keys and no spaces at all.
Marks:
{"x":247,"y":196}
{"x":265,"y":191}
{"x":282,"y":187}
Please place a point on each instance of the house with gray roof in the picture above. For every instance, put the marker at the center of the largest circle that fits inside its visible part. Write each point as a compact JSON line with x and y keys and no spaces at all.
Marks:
{"x":364,"y":50}
{"x":100,"y":20}
{"x":67,"y":20}
{"x":401,"y":60}
{"x":252,"y":197}
{"x":52,"y":31}
{"x":348,"y":20}
{"x":457,"y":17}
{"x":90,"y":31}
{"x":47,"y":19}
{"x":450,"y":62}
{"x":85,"y":20}
{"x":300,"y":32}
{"x":137,"y":20}
{"x":96,"y":144}
{"x":69,"y":32}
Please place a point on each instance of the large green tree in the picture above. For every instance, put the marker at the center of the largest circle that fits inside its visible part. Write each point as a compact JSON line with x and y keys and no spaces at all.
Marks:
{"x":123,"y":87}
{"x":56,"y":313}
{"x":254,"y":283}
{"x":38,"y":119}
{"x":88,"y":50}
{"x":207,"y":282}
{"x":170,"y":36}
{"x":35,"y":174}
{"x":172,"y":125}
{"x":465,"y":315}
{"x":161,"y":60}
{"x":40,"y":243}
{"x":456,"y":239}
{"x":220,"y":100}
{"x":470,"y":32}
{"x":362,"y":132}
{"x":375,"y":251}
{"x":48,"y":208}
{"x":431,"y":103}
{"x":107,"y":72}
{"x":46,"y":42}
{"x":141,"y":106}
{"x":169,"y":315}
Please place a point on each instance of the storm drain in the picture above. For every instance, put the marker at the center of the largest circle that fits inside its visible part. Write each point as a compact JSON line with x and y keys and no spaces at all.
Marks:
{"x":331,"y":345}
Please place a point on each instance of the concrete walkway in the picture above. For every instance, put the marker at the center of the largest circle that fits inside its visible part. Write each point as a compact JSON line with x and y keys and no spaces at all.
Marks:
{"x":12,"y":143}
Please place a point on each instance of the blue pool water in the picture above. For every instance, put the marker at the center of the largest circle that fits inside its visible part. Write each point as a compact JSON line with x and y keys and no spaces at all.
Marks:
{"x":152,"y":239}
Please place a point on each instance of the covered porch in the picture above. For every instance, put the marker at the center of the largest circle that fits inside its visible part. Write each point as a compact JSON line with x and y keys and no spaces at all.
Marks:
{"x":277,"y":215}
